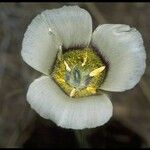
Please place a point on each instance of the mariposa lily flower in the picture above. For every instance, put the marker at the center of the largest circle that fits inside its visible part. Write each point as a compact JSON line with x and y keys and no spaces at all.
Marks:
{"x":78,"y":66}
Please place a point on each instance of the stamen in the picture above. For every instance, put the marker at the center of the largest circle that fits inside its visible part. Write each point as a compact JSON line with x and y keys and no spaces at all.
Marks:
{"x":67,"y":66}
{"x":95,"y":72}
{"x":85,"y":60}
{"x":72,"y":92}
{"x":91,"y":89}
{"x":61,"y":80}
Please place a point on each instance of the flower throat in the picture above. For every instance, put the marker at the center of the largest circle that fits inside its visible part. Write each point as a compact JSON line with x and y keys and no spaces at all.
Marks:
{"x":79,"y":72}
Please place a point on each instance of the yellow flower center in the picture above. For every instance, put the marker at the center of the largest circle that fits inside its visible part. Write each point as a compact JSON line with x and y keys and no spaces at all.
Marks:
{"x":79,"y":72}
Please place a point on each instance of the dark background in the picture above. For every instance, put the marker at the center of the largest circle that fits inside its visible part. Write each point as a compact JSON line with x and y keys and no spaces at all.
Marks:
{"x":20,"y":126}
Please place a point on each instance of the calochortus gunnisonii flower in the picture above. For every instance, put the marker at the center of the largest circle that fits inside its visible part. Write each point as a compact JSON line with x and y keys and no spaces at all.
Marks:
{"x":78,"y":66}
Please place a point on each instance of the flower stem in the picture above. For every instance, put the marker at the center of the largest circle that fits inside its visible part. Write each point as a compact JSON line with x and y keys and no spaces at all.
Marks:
{"x":82,"y":139}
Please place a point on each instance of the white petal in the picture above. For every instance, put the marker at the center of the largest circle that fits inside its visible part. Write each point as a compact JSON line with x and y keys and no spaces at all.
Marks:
{"x":71,"y":23}
{"x":38,"y":47}
{"x":47,"y":99}
{"x":69,"y":26}
{"x":123,"y":48}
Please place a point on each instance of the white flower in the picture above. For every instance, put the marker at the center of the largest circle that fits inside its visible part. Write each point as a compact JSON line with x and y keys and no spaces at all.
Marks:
{"x":51,"y":34}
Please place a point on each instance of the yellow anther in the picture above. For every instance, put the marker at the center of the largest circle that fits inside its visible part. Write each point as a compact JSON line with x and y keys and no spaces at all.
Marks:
{"x":97,"y":71}
{"x":61,"y":80}
{"x":85,"y":60}
{"x":67,"y":66}
{"x":91,"y":89}
{"x":73,"y":92}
